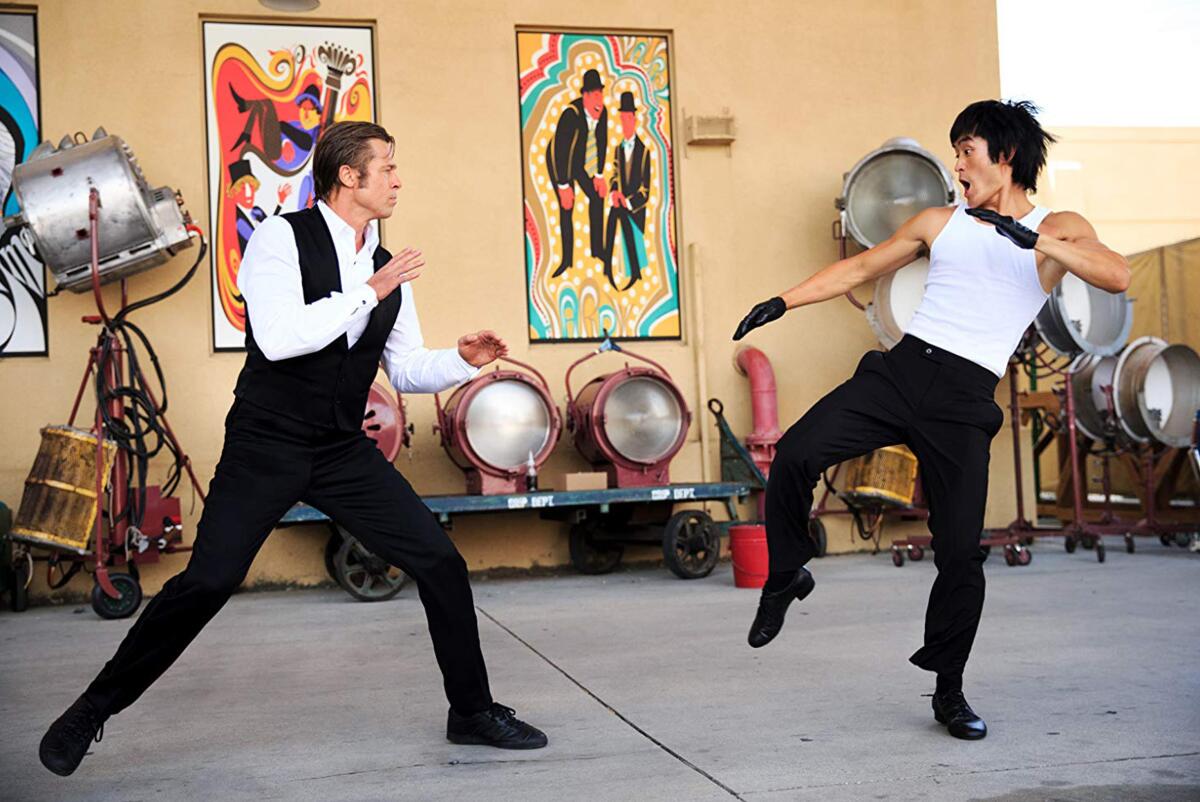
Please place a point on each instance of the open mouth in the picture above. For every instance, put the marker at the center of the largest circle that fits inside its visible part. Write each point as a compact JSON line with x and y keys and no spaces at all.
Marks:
{"x":966,"y":185}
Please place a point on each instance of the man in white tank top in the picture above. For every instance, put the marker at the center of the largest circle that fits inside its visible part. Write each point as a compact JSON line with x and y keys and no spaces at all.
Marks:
{"x":993,"y":261}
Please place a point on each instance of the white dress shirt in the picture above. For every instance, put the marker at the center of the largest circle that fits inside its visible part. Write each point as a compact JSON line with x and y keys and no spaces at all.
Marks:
{"x":285,"y":327}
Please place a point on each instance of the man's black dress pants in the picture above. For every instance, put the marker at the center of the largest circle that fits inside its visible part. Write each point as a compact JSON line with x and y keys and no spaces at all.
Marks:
{"x":267,"y":464}
{"x":941,"y":406}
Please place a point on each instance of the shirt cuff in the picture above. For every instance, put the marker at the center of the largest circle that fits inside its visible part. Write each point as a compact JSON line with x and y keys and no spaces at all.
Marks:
{"x":466,"y":370}
{"x":364,"y":299}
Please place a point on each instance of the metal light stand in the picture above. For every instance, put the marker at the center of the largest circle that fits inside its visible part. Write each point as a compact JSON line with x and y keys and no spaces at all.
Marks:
{"x":115,"y":373}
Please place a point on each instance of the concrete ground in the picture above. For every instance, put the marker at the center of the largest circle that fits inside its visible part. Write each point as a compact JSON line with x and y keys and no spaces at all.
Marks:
{"x":1088,"y":676}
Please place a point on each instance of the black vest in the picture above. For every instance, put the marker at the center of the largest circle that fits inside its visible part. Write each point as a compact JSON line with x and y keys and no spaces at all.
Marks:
{"x":327,"y":387}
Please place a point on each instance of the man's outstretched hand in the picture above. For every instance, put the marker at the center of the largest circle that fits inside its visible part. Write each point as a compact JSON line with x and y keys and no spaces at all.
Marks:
{"x":481,"y":348}
{"x":1007,"y":227}
{"x":760,"y":315}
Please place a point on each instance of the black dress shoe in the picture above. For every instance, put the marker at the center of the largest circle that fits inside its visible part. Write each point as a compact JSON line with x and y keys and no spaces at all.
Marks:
{"x":773,"y":606}
{"x":497,"y":726}
{"x":952,"y":710}
{"x":67,"y":741}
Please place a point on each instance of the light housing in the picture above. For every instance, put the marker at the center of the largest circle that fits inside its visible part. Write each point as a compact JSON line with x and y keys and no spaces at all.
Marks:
{"x":491,"y":425}
{"x":1078,"y":318}
{"x":629,"y":423}
{"x":1156,"y":390}
{"x":142,"y":227}
{"x":888,"y":186}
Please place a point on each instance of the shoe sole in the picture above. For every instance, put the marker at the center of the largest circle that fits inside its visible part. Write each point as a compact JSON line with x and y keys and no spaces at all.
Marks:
{"x":475,"y":740}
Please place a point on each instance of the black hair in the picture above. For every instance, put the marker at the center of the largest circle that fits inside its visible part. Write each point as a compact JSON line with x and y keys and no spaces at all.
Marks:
{"x":1011,"y":130}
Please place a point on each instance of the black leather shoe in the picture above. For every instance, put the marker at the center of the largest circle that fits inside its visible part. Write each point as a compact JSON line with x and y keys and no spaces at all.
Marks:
{"x":67,"y":741}
{"x":497,"y":726}
{"x":773,"y":606}
{"x":952,"y":710}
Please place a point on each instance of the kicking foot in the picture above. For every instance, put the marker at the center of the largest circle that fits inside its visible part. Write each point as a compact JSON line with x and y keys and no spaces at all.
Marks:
{"x":773,"y":606}
{"x":67,"y":741}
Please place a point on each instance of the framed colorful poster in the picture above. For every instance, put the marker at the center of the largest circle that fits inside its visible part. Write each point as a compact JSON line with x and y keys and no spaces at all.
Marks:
{"x":270,"y":89}
{"x":600,"y":208}
{"x":23,"y":312}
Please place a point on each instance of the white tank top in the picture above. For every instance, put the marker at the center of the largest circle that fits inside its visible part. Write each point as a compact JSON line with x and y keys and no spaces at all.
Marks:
{"x":982,"y":292}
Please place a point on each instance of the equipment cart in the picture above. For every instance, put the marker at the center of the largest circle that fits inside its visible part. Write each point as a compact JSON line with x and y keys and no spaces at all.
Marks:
{"x":602,"y":522}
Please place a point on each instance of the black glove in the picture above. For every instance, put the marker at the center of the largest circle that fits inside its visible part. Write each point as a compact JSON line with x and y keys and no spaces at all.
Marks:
{"x":760,"y":315}
{"x":1007,"y":227}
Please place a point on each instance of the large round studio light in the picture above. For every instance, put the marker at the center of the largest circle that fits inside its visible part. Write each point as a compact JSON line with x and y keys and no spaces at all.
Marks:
{"x":888,"y":186}
{"x":385,"y":423}
{"x":897,"y":296}
{"x":1156,"y":390}
{"x":1079,"y":318}
{"x":629,"y":423}
{"x":494,"y":424}
{"x":1090,"y":374}
{"x":142,"y":227}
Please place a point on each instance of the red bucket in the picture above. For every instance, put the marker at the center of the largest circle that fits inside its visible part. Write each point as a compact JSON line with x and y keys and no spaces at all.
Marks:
{"x":748,"y":552}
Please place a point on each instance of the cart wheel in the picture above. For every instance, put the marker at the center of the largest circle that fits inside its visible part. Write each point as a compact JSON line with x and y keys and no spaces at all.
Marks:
{"x":589,"y":555}
{"x":19,"y":596}
{"x":1024,"y":557}
{"x":816,"y":530}
{"x":1183,"y":539}
{"x":1164,"y":539}
{"x":691,"y":544}
{"x":897,"y":557}
{"x":916,"y":553}
{"x":1099,"y":551}
{"x":331,"y":549}
{"x":362,"y":574}
{"x":1010,"y":556}
{"x":110,"y":608}
{"x":1070,"y":544}
{"x":1129,"y":547}
{"x":1089,"y":542}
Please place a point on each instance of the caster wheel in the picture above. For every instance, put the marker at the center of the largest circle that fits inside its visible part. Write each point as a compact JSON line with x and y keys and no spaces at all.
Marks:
{"x":916,"y":553}
{"x":1070,"y":544}
{"x":1129,"y":547}
{"x":1164,"y":539}
{"x":897,"y":557}
{"x":816,"y":530}
{"x":691,"y":544}
{"x":123,"y":607}
{"x":363,"y":575}
{"x":1010,"y":556}
{"x":1024,"y":557}
{"x":1089,"y":542}
{"x":331,"y":549}
{"x":589,"y":554}
{"x":1100,"y":552}
{"x":1183,"y":540}
{"x":18,"y":599}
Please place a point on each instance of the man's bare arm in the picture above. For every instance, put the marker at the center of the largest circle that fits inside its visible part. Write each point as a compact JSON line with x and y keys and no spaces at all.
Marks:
{"x":846,"y":274}
{"x":891,"y":254}
{"x":1071,"y":246}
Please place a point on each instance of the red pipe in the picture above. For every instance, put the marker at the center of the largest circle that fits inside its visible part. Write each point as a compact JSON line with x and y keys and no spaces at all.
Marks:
{"x":754,"y":364}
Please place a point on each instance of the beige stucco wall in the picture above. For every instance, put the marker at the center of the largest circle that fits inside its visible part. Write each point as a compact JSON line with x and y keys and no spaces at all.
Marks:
{"x":813,"y":85}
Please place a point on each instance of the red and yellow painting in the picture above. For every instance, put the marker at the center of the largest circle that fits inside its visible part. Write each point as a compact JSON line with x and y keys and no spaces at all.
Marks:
{"x":270,"y":90}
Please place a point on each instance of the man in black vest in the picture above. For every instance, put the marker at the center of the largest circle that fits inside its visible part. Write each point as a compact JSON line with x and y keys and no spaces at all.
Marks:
{"x":324,"y":305}
{"x":576,"y":155}
{"x":630,"y":192}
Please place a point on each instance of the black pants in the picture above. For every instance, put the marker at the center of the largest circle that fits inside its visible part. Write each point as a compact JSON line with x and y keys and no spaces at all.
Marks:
{"x":941,"y":406}
{"x":618,"y":215}
{"x":595,"y":221}
{"x":267,"y":464}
